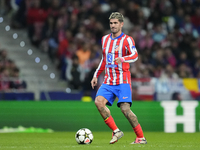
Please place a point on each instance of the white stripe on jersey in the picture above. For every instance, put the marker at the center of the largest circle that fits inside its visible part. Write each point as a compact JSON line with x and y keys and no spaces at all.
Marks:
{"x":106,"y":51}
{"x":113,"y":69}
{"x":131,"y":61}
{"x":120,"y":65}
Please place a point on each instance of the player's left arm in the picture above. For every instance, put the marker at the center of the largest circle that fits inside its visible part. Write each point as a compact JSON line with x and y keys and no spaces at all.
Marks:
{"x":131,"y":51}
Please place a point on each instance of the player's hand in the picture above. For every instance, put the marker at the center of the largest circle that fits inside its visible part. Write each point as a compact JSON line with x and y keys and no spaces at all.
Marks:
{"x":119,"y":60}
{"x":94,"y":82}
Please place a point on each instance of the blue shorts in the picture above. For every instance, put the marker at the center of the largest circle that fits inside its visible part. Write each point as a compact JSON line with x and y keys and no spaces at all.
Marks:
{"x":110,"y":92}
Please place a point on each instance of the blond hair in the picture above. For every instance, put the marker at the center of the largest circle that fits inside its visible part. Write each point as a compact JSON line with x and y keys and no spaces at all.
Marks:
{"x":117,"y":15}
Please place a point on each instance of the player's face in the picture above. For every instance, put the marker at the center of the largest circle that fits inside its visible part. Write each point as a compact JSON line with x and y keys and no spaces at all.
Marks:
{"x":115,"y":25}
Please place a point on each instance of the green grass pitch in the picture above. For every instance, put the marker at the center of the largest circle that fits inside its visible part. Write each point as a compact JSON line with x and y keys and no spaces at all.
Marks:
{"x":66,"y":141}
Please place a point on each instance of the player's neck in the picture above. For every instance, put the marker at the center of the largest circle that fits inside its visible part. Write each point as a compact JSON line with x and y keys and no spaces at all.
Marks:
{"x":114,"y":35}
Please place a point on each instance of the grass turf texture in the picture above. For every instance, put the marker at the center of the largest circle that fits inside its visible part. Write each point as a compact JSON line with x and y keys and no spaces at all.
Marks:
{"x":66,"y":140}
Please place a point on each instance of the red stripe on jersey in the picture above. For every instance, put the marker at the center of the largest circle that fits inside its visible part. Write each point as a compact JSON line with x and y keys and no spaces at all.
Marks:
{"x":129,"y":78}
{"x":110,"y":69}
{"x":104,"y":55}
{"x":117,"y":55}
{"x":125,"y":66}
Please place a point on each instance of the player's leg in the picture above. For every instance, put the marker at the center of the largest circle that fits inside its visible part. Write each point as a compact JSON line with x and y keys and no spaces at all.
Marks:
{"x":125,"y":102}
{"x":132,"y":118}
{"x":105,"y":96}
{"x":100,"y":103}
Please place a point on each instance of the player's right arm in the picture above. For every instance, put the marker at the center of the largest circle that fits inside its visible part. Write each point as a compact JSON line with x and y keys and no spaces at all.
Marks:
{"x":98,"y":71}
{"x":94,"y":82}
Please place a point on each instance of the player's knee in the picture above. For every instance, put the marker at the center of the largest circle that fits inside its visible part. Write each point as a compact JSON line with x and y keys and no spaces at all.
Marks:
{"x":125,"y":108}
{"x":98,"y":102}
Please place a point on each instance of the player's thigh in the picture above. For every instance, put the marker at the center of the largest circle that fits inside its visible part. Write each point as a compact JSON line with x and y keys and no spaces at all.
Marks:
{"x":100,"y":100}
{"x":125,"y":94}
{"x":106,"y":92}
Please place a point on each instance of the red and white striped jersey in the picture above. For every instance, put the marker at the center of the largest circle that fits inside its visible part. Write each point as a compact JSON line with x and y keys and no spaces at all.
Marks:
{"x":121,"y":46}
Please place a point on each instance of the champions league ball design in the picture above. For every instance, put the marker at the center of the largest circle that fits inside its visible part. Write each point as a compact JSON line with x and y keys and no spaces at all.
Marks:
{"x":84,"y":136}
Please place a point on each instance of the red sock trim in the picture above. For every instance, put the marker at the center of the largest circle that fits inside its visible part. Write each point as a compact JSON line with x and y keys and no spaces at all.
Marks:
{"x":111,"y":123}
{"x":138,"y":131}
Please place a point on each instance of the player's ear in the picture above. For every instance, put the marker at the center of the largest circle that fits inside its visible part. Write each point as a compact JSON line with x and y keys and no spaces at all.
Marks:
{"x":122,"y":23}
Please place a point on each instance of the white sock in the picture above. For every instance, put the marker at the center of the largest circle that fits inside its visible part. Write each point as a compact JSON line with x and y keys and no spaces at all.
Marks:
{"x":116,"y":130}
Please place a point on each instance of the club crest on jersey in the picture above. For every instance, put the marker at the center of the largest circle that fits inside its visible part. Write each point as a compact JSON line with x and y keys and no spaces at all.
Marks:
{"x":117,"y":48}
{"x":109,"y":58}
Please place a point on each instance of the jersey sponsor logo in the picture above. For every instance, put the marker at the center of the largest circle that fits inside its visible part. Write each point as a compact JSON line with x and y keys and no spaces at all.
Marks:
{"x":111,"y":66}
{"x":109,"y":58}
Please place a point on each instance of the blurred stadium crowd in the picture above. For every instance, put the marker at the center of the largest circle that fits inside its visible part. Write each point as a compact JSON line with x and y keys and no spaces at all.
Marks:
{"x":166,"y":34}
{"x":9,"y":74}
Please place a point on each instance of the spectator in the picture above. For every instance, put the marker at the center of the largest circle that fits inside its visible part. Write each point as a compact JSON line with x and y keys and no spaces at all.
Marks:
{"x":155,"y":18}
{"x":63,"y":50}
{"x":170,"y":57}
{"x":176,"y":96}
{"x":183,"y":59}
{"x":179,"y":17}
{"x":4,"y":79}
{"x":47,"y":32}
{"x":188,"y":28}
{"x":184,"y":71}
{"x":146,"y":42}
{"x":56,"y":37}
{"x":19,"y":18}
{"x":36,"y":16}
{"x":158,"y":34}
{"x":75,"y":74}
{"x":9,"y":73}
{"x":15,"y":82}
{"x":158,"y":57}
{"x":196,"y":19}
{"x":196,"y":69}
{"x":84,"y":54}
{"x":169,"y":73}
{"x":3,"y":57}
{"x":132,"y":12}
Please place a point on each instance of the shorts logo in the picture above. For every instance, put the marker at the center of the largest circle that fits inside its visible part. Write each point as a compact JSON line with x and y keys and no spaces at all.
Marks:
{"x":125,"y":97}
{"x":133,"y":47}
{"x":109,"y":58}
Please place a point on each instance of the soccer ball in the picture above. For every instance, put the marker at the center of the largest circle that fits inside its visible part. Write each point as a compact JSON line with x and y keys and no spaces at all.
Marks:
{"x":84,"y":136}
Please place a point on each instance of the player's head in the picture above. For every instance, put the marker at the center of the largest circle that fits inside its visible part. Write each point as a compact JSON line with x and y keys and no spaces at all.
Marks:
{"x":117,"y":15}
{"x":116,"y":22}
